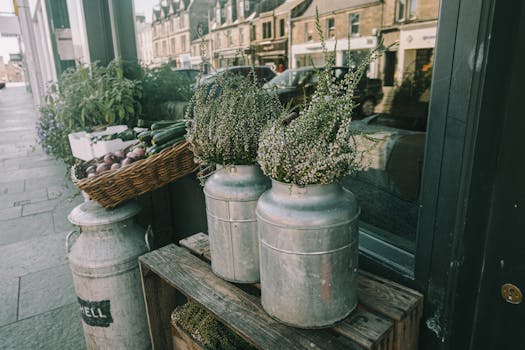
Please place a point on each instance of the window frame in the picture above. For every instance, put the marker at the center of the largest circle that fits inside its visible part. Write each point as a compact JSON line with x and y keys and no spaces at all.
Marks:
{"x":330,"y":30}
{"x":352,"y":16}
{"x":282,"y":27}
{"x":406,"y":14}
{"x":267,"y":30}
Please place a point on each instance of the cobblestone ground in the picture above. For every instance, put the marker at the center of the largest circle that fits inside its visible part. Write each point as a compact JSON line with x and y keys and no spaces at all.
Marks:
{"x":38,"y":308}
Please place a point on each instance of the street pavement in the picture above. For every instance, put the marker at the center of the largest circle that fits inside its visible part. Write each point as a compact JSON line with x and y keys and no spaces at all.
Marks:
{"x":38,"y":307}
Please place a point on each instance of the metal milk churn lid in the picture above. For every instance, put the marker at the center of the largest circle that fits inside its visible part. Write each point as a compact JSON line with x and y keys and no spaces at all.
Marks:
{"x":103,"y":258}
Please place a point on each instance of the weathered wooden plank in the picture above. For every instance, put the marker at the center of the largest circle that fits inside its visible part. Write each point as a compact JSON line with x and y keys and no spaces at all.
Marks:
{"x":198,"y":244}
{"x":387,"y":297}
{"x":235,"y":308}
{"x":365,"y":328}
{"x":160,"y":300}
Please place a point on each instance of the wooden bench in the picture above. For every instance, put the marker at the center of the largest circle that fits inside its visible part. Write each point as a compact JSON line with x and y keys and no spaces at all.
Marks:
{"x":387,"y":317}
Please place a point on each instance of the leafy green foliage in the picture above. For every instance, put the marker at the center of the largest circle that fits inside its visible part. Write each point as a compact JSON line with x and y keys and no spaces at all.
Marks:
{"x":86,"y":97}
{"x":161,"y":88}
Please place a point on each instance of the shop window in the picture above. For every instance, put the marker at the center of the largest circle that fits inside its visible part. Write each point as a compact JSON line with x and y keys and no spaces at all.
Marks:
{"x":281,"y":27}
{"x":330,"y":28}
{"x":354,"y":24}
{"x":267,"y":30}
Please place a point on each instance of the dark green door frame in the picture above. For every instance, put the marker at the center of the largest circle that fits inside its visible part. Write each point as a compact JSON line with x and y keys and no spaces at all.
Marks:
{"x":110,"y":30}
{"x":476,"y":40}
{"x":464,"y":183}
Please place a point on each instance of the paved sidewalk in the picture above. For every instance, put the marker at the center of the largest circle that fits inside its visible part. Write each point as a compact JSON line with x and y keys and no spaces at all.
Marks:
{"x":38,"y":308}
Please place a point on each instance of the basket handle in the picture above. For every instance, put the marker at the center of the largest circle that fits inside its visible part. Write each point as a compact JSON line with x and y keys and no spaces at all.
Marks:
{"x":68,"y":238}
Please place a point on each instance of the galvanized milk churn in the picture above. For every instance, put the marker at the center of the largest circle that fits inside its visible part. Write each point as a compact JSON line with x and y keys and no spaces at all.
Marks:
{"x":231,"y":198}
{"x":308,"y":249}
{"x":104,"y":261}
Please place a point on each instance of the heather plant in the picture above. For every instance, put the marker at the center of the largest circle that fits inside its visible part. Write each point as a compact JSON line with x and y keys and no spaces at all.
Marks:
{"x":225,"y":120}
{"x":316,"y":147}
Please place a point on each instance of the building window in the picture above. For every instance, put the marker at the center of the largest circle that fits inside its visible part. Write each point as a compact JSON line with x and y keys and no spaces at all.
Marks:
{"x":229,"y":14}
{"x":267,"y":30}
{"x":183,"y":43}
{"x":308,"y":31}
{"x":253,"y":33}
{"x":241,"y":36}
{"x":229,"y":38}
{"x":164,"y":48}
{"x":241,"y":9}
{"x":173,"y":48}
{"x":330,"y":28}
{"x":171,"y":26}
{"x":281,"y":27}
{"x":406,"y":9}
{"x":157,"y":49}
{"x":181,"y":21}
{"x":217,"y":41}
{"x":412,"y":9}
{"x":218,"y":15}
{"x":354,"y":24}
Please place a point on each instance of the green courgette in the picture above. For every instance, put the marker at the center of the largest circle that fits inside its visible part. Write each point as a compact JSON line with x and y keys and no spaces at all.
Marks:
{"x":167,"y":135}
{"x":165,"y":123}
{"x":145,"y":136}
{"x":157,"y":148}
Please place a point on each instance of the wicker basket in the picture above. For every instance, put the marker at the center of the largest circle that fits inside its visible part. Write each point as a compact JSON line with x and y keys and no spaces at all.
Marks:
{"x":112,"y":187}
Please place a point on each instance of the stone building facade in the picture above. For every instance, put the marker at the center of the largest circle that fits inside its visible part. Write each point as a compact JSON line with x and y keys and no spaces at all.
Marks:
{"x":349,"y":26}
{"x":413,"y":25}
{"x":271,"y":31}
{"x":176,"y":23}
{"x":230,"y":32}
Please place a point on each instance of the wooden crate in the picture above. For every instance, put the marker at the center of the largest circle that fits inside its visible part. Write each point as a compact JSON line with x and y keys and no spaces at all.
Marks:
{"x":173,"y":268}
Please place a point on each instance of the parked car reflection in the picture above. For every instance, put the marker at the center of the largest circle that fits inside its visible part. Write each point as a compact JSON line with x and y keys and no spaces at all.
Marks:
{"x":296,"y":86}
{"x":391,"y":155}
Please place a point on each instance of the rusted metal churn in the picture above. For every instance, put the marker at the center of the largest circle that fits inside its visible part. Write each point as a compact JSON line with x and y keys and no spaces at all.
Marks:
{"x":103,"y":258}
{"x":231,"y":198}
{"x":308,"y":250}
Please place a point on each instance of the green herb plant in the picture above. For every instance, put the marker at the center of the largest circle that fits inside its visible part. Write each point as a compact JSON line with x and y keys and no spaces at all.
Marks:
{"x":86,"y":97}
{"x":162,"y":87}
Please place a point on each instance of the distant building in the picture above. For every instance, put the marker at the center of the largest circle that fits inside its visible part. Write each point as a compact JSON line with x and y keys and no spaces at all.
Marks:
{"x":231,"y":32}
{"x":176,"y":23}
{"x":144,"y":40}
{"x":349,"y":26}
{"x":413,"y":24}
{"x":271,"y":30}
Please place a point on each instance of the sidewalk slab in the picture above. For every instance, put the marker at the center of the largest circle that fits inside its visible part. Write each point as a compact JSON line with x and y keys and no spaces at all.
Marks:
{"x":8,"y":300}
{"x":21,"y":258}
{"x":57,"y":329}
{"x":11,"y":187}
{"x":26,"y":227}
{"x":45,"y":290}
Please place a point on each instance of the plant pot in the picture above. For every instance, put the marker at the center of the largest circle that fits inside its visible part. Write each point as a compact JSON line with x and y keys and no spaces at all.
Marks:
{"x":231,"y":195}
{"x":308,"y":239}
